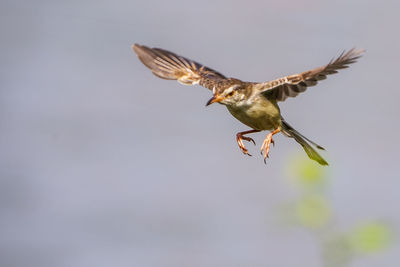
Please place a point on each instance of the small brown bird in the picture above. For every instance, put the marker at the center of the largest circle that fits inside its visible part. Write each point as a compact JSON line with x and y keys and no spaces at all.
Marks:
{"x":254,"y":104}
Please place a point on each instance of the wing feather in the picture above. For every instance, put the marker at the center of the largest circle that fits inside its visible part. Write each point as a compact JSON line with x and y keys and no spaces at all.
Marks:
{"x":291,"y":86}
{"x":170,"y":66}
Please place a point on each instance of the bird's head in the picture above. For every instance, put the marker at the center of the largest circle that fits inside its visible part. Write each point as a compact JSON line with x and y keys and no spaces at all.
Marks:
{"x":228,"y":96}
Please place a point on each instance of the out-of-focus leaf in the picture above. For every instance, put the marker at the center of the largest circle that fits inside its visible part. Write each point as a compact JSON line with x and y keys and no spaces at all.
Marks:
{"x":337,"y":251}
{"x":313,"y":211}
{"x":371,"y":237}
{"x":307,"y":172}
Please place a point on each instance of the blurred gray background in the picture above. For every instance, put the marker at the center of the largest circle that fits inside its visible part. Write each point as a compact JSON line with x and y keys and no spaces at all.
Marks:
{"x":103,"y":164}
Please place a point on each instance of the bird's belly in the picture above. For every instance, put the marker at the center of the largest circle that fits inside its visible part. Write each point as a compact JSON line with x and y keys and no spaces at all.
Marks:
{"x":261,"y":116}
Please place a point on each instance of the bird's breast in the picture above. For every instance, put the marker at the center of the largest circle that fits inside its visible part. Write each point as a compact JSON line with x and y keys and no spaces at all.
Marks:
{"x":259,"y":114}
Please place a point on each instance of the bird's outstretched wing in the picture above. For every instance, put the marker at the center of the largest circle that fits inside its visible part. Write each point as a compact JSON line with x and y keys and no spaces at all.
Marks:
{"x":170,"y":66}
{"x":291,"y":86}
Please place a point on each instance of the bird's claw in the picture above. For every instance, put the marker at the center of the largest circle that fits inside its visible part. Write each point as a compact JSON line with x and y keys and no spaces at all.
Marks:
{"x":247,"y":153}
{"x":248,"y":139}
{"x":265,"y":147}
{"x":243,"y":148}
{"x":239,"y":139}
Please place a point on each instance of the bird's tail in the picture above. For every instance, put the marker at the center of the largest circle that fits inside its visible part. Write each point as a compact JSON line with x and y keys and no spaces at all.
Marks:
{"x":304,"y":142}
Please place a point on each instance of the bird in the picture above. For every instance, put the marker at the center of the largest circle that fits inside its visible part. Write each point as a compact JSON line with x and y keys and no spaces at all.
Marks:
{"x":255,"y":104}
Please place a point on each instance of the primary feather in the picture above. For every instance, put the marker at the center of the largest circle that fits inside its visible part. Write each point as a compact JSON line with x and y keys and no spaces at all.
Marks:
{"x":292,"y":85}
{"x":168,"y":65}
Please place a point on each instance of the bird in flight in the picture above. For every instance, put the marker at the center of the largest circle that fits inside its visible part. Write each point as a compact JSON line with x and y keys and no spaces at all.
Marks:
{"x":252,"y":103}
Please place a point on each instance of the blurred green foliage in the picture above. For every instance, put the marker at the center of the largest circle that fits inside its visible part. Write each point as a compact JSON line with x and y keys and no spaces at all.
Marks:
{"x":305,"y":172}
{"x":337,"y":250}
{"x":313,"y":211}
{"x":371,"y":237}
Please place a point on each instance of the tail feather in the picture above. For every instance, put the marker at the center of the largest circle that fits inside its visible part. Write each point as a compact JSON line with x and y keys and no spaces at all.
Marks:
{"x":302,"y":140}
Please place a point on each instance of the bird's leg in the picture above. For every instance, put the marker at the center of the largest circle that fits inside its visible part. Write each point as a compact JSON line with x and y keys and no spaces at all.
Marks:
{"x":267,"y":142}
{"x":240,"y":137}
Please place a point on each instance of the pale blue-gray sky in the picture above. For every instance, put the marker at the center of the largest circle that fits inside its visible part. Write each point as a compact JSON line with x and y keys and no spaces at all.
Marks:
{"x":103,"y":164}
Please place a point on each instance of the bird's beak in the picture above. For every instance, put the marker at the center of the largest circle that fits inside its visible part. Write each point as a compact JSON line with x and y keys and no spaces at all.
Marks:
{"x":215,"y":98}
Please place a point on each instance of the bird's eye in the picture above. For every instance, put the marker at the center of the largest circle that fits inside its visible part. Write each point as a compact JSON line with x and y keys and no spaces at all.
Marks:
{"x":231,"y":93}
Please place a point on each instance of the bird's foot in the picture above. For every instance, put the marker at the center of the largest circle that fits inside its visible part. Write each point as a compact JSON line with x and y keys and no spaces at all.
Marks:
{"x":239,"y":140}
{"x":267,"y":143}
